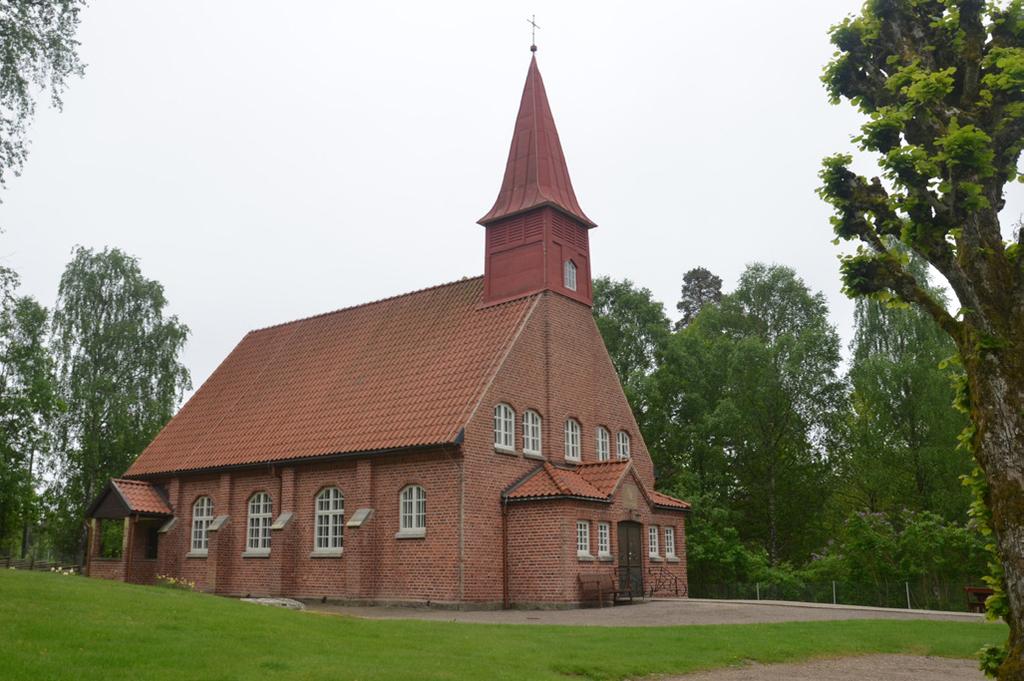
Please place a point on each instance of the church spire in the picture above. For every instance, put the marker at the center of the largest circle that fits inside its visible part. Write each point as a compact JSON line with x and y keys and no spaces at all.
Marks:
{"x":537,"y":236}
{"x":536,"y":174}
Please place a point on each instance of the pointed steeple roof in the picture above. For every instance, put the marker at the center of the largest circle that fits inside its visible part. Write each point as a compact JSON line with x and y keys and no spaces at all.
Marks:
{"x":536,"y":174}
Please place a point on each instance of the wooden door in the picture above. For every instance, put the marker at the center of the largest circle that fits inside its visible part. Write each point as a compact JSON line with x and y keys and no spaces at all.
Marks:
{"x":631,"y":569}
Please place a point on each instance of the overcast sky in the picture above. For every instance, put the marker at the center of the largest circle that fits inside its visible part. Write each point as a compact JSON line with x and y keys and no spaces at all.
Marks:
{"x":268,"y":161}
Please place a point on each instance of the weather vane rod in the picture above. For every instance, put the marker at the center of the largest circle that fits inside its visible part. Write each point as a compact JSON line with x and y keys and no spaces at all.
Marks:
{"x":533,"y":32}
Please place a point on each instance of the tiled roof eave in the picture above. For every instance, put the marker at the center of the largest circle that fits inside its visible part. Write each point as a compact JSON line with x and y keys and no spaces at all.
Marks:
{"x":556,"y":497}
{"x":294,"y":461}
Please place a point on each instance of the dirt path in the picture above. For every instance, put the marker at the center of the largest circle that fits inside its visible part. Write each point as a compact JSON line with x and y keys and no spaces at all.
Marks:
{"x":866,"y":668}
{"x":657,"y":613}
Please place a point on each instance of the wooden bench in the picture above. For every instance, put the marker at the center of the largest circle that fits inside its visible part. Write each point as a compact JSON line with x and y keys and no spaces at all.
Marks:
{"x":599,"y":587}
{"x":976,"y":596}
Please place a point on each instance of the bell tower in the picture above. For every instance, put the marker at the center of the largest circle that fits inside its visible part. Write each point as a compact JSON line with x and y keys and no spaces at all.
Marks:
{"x":537,"y":234}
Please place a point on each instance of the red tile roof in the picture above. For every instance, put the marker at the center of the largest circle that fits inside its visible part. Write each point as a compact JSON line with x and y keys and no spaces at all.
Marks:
{"x":536,"y":173}
{"x":402,"y":372}
{"x":142,"y":497}
{"x":549,"y":481}
{"x":660,"y":499}
{"x":597,"y":481}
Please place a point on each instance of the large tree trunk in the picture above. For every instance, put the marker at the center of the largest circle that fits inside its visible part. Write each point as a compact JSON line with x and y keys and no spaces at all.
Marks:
{"x":996,"y":380}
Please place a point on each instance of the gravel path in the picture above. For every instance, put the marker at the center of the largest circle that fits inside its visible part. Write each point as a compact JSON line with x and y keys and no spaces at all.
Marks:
{"x":866,"y":668}
{"x":656,"y":613}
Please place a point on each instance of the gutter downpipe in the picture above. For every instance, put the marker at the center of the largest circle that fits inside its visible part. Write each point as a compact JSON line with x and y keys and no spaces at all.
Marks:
{"x":505,"y":601}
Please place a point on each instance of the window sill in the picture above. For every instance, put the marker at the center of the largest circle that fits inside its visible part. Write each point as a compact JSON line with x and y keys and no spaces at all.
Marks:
{"x":672,"y":559}
{"x":607,"y":558}
{"x":326,"y":553}
{"x":585,"y":557}
{"x":411,"y":534}
{"x":257,"y":553}
{"x":505,"y":450}
{"x":657,"y":559}
{"x":197,"y":554}
{"x":573,"y":461}
{"x":533,"y":455}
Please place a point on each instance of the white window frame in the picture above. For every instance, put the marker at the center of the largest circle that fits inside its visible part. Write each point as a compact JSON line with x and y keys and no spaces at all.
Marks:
{"x":604,"y":540}
{"x":202,"y":516}
{"x":329,"y":521}
{"x":572,"y":440}
{"x":652,"y":541}
{"x":583,"y":539}
{"x":622,"y":444}
{"x":531,"y":433}
{"x":504,"y":428}
{"x":261,"y":517}
{"x":604,"y":444}
{"x":569,"y":275}
{"x":670,"y":541}
{"x":412,"y":512}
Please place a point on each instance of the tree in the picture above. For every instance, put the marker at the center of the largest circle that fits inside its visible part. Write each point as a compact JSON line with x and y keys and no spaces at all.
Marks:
{"x":773,"y":413}
{"x":635,"y":329}
{"x":39,"y":54}
{"x":902,"y":447}
{"x":27,"y":401}
{"x":700,"y":287}
{"x":118,"y":371}
{"x":942,"y":85}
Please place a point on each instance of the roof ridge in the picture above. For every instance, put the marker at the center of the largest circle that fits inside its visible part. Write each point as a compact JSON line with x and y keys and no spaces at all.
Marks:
{"x":386,"y":299}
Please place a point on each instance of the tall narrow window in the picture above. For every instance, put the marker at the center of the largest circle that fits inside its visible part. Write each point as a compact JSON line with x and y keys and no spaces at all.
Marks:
{"x":202,"y":515}
{"x":413,"y":512}
{"x":652,"y":541}
{"x":261,"y":512}
{"x":570,"y":275}
{"x":330,"y":520}
{"x":604,"y":540}
{"x":582,"y":537}
{"x":604,"y":444}
{"x":504,"y":428}
{"x":531,"y":432}
{"x":670,"y":542}
{"x":572,"y":440}
{"x":623,"y":444}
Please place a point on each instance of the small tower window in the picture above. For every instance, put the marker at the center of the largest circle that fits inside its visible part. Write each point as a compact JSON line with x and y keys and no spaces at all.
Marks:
{"x":570,"y":275}
{"x":604,"y":444}
{"x":623,"y":443}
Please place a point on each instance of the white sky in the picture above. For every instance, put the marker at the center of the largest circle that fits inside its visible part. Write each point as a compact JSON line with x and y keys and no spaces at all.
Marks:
{"x":268,"y":161}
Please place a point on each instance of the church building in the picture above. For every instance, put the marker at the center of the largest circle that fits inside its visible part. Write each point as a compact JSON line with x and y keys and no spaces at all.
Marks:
{"x":466,"y":445}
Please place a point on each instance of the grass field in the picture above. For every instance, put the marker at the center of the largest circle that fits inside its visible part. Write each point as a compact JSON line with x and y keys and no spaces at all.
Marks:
{"x":55,"y":627}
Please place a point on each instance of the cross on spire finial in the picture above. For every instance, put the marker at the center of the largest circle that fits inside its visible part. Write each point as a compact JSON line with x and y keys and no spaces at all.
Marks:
{"x":533,"y":32}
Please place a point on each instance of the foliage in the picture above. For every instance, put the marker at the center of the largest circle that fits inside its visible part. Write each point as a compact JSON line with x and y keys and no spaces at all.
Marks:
{"x":940,"y":82}
{"x":27,"y":400}
{"x":175,"y":582}
{"x":39,"y":53}
{"x":776,"y":408}
{"x":119,"y":372}
{"x":635,"y":330}
{"x":700,"y":288}
{"x":45,"y":619}
{"x":901,"y":432}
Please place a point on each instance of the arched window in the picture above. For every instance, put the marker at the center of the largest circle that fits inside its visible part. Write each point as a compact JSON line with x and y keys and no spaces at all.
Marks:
{"x":261,"y":512}
{"x":623,"y":443}
{"x":504,"y":428}
{"x":413,"y":512}
{"x":570,"y":275}
{"x":330,"y":520}
{"x":604,"y":444}
{"x":572,"y":440}
{"x":202,"y":515}
{"x":531,"y":432}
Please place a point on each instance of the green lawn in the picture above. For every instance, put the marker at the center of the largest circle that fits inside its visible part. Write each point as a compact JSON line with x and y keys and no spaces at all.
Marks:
{"x":54,"y":627}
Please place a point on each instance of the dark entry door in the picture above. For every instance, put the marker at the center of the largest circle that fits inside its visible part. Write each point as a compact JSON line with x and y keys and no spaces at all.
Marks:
{"x":631,"y":569}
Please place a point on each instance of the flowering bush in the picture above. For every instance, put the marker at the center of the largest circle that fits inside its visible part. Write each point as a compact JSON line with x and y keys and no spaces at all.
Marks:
{"x":175,"y":583}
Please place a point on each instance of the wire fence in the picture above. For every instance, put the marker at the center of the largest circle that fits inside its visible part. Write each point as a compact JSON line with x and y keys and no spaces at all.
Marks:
{"x":915,"y":594}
